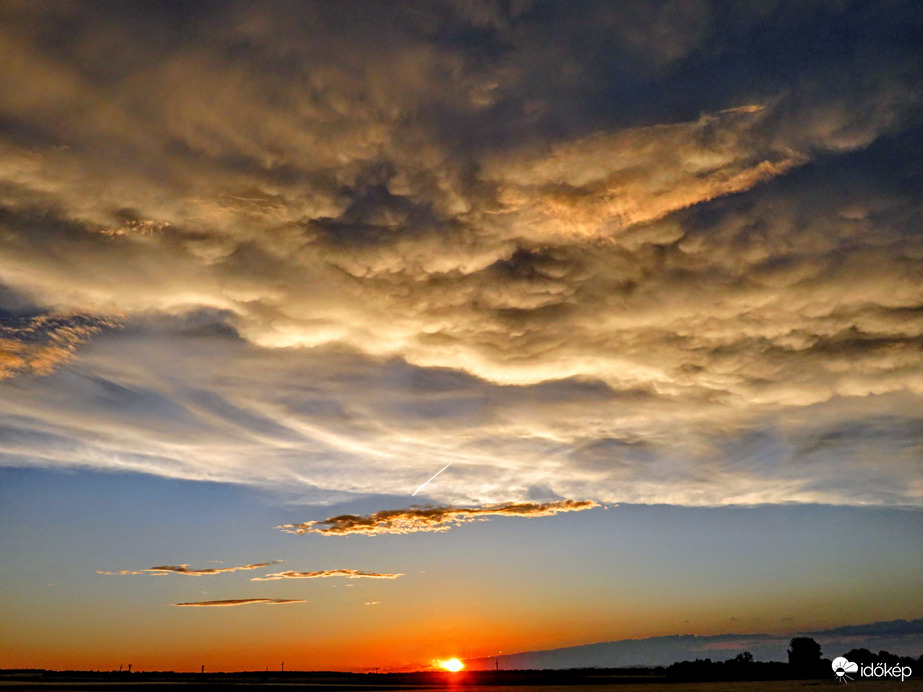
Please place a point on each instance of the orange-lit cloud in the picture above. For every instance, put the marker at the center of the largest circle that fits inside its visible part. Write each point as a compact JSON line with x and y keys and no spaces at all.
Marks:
{"x":43,"y":343}
{"x":348,"y":573}
{"x":184,"y":569}
{"x":601,"y":185}
{"x":241,"y":601}
{"x":416,"y":519}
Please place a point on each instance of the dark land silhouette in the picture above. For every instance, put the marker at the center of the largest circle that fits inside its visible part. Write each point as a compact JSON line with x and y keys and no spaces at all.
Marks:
{"x":805,"y":662}
{"x":664,"y":650}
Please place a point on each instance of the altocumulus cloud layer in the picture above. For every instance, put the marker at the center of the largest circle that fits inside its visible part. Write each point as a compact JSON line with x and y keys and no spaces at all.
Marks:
{"x":585,"y":250}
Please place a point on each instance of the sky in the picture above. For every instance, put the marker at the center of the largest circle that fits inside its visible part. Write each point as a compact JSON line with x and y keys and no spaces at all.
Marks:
{"x":363,"y":335}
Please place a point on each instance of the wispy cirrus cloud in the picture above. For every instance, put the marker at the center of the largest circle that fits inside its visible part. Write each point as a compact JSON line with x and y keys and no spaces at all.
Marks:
{"x":417,"y":519}
{"x":240,"y":602}
{"x":186,"y":570}
{"x":322,"y":574}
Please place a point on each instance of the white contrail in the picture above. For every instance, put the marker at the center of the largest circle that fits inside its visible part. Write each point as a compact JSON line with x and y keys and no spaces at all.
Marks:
{"x":431,"y":479}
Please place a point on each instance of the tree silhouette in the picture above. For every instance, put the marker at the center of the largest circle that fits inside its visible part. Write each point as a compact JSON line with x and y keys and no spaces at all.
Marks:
{"x":804,"y":653}
{"x":743,"y":657}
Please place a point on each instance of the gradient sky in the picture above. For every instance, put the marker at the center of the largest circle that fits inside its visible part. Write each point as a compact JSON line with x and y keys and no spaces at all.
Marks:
{"x":643,"y":279}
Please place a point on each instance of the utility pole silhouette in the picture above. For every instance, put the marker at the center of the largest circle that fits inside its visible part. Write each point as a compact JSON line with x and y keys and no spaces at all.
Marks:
{"x":203,"y":669}
{"x":129,"y":667}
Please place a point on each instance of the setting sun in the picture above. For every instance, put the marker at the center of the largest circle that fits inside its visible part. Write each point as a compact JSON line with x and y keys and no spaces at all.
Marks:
{"x":453,"y":665}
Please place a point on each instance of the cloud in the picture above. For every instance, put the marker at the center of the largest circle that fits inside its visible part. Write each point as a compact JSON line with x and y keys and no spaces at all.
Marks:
{"x":241,"y":601}
{"x":599,"y":186}
{"x":348,"y":573}
{"x":416,"y":519}
{"x":184,"y":569}
{"x":611,"y":268}
{"x":889,"y":628}
{"x":39,"y":345}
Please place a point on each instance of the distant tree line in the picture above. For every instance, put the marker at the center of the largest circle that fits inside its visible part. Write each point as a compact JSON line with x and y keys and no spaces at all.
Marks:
{"x":805,"y":661}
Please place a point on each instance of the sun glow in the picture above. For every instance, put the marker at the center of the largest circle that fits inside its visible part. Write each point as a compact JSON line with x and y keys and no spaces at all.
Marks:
{"x":453,"y":665}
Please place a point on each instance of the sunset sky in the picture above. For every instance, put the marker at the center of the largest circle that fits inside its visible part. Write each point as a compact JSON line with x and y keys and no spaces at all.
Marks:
{"x":358,"y":335}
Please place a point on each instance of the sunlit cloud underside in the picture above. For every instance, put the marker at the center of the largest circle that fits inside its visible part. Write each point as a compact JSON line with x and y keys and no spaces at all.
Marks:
{"x":332,"y":267}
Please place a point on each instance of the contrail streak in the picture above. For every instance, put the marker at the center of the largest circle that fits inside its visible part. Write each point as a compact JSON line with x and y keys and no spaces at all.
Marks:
{"x":431,"y":479}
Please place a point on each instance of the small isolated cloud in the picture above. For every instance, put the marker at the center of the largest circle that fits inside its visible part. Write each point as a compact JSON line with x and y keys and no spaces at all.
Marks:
{"x":241,"y":601}
{"x":348,"y":573}
{"x":184,"y":569}
{"x":373,"y":603}
{"x":415,"y":519}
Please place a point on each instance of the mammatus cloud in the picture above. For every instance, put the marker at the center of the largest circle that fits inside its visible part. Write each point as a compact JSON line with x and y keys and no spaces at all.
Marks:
{"x":348,"y":573}
{"x":184,"y":569}
{"x":416,"y":519}
{"x":241,"y":601}
{"x":611,"y":267}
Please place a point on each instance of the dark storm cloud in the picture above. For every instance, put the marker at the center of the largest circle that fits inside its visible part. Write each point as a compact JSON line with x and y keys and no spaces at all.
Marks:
{"x":414,"y":519}
{"x":603,"y":250}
